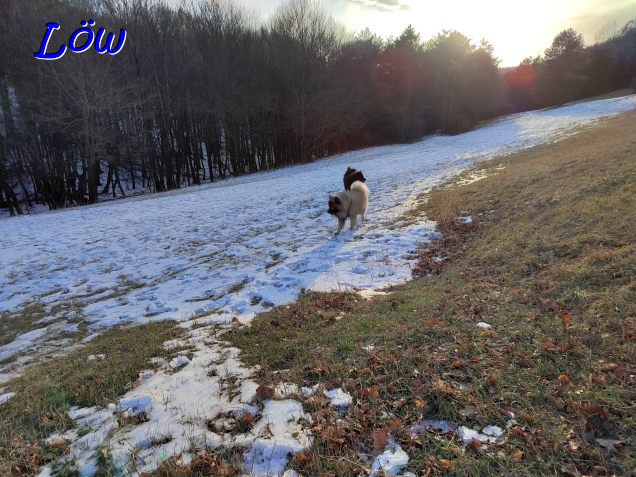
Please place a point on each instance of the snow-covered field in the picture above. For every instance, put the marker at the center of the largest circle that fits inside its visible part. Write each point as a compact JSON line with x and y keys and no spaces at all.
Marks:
{"x":229,"y":250}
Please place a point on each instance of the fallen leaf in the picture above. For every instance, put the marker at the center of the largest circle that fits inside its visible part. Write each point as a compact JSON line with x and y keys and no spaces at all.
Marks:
{"x":247,"y":418}
{"x":380,"y":439}
{"x":447,"y":465}
{"x":566,"y":319}
{"x":610,"y":444}
{"x":517,"y":455}
{"x":564,"y":379}
{"x":420,"y":404}
{"x":264,"y":392}
{"x":399,"y":404}
{"x":372,"y":392}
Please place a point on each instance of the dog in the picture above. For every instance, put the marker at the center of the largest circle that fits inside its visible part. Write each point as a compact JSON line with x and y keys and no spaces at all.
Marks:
{"x":349,"y":203}
{"x":352,"y":175}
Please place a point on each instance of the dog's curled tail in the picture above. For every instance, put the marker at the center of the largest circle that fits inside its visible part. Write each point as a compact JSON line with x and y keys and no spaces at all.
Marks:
{"x":361,"y":186}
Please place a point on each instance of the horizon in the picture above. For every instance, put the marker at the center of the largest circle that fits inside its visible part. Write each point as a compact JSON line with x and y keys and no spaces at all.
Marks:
{"x":496,"y":21}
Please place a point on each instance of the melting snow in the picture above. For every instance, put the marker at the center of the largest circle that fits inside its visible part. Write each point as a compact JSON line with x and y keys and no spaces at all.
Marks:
{"x":339,"y":398}
{"x":5,"y":397}
{"x":391,"y":461}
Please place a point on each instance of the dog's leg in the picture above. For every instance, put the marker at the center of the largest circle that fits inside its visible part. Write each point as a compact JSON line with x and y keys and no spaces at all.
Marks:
{"x":353,"y":219}
{"x":363,"y":219}
{"x":341,"y":224}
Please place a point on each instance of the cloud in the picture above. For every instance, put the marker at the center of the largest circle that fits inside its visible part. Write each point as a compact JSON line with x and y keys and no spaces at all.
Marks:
{"x":602,"y":18}
{"x":383,"y":5}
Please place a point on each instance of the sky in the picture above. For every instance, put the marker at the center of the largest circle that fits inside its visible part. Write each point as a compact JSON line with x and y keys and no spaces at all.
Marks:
{"x":516,"y":29}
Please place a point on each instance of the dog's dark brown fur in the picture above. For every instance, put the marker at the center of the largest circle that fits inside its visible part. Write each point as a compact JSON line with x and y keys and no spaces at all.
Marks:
{"x":351,"y":176}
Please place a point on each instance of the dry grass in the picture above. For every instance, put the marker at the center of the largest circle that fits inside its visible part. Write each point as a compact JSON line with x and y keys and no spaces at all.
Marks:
{"x":550,"y":264}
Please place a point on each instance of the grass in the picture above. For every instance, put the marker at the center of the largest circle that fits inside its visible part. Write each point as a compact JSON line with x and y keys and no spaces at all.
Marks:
{"x":44,"y":393}
{"x":549,"y":263}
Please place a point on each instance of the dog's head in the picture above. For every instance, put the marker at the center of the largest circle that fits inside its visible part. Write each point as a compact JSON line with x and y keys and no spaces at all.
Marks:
{"x":334,"y":204}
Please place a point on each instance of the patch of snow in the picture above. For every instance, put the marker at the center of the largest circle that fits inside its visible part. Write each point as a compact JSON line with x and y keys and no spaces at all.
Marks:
{"x":484,"y":326}
{"x":309,"y":391}
{"x":179,"y":362}
{"x":178,"y":403}
{"x":493,"y":431}
{"x":22,"y":342}
{"x":468,"y":435}
{"x":467,"y":219}
{"x":94,"y":357}
{"x":136,"y":405}
{"x":268,"y":456}
{"x":391,"y":461}
{"x":5,"y":397}
{"x":368,"y":348}
{"x":339,"y":398}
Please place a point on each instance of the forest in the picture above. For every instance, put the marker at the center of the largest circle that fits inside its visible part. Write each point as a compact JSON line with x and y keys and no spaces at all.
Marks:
{"x":202,"y":92}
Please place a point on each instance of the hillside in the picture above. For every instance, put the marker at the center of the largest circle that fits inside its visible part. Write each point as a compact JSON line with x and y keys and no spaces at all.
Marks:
{"x":555,"y":195}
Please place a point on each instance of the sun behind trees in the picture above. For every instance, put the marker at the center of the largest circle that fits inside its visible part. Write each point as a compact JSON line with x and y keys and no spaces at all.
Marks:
{"x":201,"y":93}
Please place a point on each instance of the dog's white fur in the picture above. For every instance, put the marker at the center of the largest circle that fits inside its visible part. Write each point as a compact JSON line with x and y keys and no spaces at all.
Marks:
{"x":352,"y":203}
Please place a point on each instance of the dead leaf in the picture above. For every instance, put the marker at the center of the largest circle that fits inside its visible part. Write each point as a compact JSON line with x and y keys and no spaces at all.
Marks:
{"x":372,"y":392}
{"x":564,"y":379}
{"x":447,"y":465}
{"x":566,"y":319}
{"x":399,"y":404}
{"x":611,"y":445}
{"x":380,"y":439}
{"x":247,"y":418}
{"x":264,"y":392}
{"x":549,"y":345}
{"x":517,"y":455}
{"x":420,"y":404}
{"x":444,"y":388}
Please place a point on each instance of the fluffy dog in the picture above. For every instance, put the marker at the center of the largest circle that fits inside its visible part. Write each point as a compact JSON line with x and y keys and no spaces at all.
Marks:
{"x":349,"y":203}
{"x":352,"y":175}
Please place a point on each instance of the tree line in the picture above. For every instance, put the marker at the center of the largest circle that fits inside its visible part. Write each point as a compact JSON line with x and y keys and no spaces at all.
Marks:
{"x":202,"y":92}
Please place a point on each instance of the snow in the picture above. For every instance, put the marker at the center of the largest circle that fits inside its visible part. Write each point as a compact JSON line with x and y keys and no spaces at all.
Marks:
{"x":179,"y":361}
{"x":211,"y":254}
{"x":136,"y":405}
{"x":22,"y":342}
{"x":493,"y":431}
{"x":177,"y":407}
{"x":391,"y":461}
{"x":339,"y":398}
{"x":483,"y":325}
{"x":469,"y":435}
{"x":5,"y":397}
